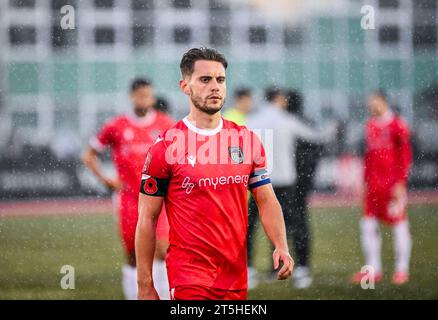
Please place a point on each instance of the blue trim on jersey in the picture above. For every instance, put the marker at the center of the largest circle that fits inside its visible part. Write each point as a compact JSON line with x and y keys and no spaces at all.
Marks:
{"x":258,"y":176}
{"x":258,"y":173}
{"x":259,"y":183}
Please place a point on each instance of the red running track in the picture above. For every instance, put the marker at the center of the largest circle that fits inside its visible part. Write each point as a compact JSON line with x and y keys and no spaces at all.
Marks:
{"x":58,"y":207}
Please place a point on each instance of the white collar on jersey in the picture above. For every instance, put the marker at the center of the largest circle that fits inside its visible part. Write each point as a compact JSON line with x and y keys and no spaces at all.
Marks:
{"x":385,"y":118}
{"x":204,"y":132}
{"x":142,"y":121}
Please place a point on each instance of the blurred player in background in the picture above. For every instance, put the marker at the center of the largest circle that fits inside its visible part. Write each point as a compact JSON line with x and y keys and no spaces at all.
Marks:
{"x":206,"y":202}
{"x":287,"y":129}
{"x":162,"y":105}
{"x":129,"y":137}
{"x":241,"y":107}
{"x":388,"y":157}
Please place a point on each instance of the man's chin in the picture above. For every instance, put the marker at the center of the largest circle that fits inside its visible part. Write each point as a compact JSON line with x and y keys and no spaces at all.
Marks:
{"x":211,"y":110}
{"x":141,"y":111}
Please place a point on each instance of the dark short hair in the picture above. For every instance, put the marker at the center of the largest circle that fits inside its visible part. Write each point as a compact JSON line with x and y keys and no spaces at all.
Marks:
{"x":381,"y":93}
{"x":272,"y":92}
{"x":294,"y":102}
{"x":203,"y":53}
{"x":162,"y":105}
{"x":242,"y":92}
{"x":140,"y":83}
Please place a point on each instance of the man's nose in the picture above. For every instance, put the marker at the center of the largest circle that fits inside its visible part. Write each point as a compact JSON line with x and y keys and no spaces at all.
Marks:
{"x":215,"y":85}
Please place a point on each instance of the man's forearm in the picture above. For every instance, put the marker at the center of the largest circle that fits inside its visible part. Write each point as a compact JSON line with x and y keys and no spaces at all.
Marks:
{"x":273,"y":222}
{"x":148,"y":212}
{"x":145,"y":248}
{"x":90,"y":160}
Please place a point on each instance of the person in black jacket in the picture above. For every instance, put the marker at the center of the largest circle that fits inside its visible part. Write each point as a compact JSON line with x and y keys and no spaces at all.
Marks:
{"x":307,"y":157}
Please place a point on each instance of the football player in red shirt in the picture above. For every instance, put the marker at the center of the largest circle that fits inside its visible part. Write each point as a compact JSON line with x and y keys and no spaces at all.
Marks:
{"x":202,"y":168}
{"x":129,"y":136}
{"x":388,"y":157}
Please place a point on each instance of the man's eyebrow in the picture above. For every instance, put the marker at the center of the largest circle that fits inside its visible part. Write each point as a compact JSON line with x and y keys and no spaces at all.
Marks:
{"x":211,"y":77}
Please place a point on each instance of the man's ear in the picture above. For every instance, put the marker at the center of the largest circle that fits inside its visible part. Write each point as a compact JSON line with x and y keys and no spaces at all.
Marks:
{"x":184,"y":86}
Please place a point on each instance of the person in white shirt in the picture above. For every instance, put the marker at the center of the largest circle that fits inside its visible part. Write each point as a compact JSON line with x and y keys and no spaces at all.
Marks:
{"x":280,"y":130}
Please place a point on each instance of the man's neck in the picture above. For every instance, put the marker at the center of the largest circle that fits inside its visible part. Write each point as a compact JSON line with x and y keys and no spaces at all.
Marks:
{"x":140,"y":119}
{"x":204,"y":120}
{"x":140,"y":113}
{"x":384,"y":117}
{"x":384,"y":114}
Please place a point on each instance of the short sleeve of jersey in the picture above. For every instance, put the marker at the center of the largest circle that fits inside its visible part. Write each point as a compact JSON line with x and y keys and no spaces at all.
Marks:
{"x":156,"y":171}
{"x":105,"y":137}
{"x":259,"y":174}
{"x":402,"y":131}
{"x":404,"y":148}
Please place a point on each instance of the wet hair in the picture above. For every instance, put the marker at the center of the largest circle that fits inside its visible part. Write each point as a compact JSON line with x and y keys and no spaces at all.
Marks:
{"x":381,"y":94}
{"x":162,"y":105}
{"x":294,"y":102}
{"x":195,"y":54}
{"x":140,"y":83}
{"x":271,"y":93}
{"x":242,"y":92}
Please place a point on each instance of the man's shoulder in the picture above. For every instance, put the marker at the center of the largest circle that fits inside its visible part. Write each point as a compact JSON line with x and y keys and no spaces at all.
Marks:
{"x":175,"y":125}
{"x":122,"y":117}
{"x":118,"y":121}
{"x":371,"y":121}
{"x":164,"y":117}
{"x":400,"y":123}
{"x":227,"y":123}
{"x":231,"y":125}
{"x":173,"y":132}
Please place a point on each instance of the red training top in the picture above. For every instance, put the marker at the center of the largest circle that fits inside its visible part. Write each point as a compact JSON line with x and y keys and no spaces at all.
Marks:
{"x":388,"y":155}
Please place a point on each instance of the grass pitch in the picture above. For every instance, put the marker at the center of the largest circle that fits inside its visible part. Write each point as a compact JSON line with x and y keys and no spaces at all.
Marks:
{"x":34,"y":249}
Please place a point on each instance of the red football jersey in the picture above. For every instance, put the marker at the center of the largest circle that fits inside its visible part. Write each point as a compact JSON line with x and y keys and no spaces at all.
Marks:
{"x":388,"y":155}
{"x":129,"y":138}
{"x":204,"y":176}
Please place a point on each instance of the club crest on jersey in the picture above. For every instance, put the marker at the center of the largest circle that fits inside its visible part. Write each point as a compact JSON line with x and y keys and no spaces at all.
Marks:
{"x":236,"y":154}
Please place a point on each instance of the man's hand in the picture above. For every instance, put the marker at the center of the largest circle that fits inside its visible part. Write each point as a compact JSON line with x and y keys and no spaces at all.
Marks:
{"x":399,"y":191}
{"x":147,"y":293}
{"x":112,"y":184}
{"x":272,"y":220}
{"x":90,"y":159}
{"x":284,"y":257}
{"x":399,"y":200}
